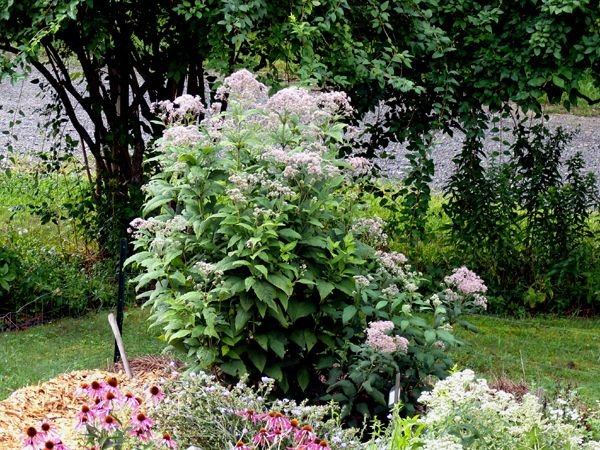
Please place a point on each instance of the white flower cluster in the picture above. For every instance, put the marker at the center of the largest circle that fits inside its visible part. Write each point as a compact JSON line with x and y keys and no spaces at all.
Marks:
{"x":495,"y":418}
{"x":371,"y":230}
{"x":243,"y":87}
{"x":359,"y":166}
{"x":296,"y":162}
{"x":185,"y":108}
{"x":309,"y":107}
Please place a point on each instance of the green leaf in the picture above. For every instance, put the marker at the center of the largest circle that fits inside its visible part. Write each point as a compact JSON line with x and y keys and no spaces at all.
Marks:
{"x":381,"y":304}
{"x":277,"y":346}
{"x":324,"y":288}
{"x":234,"y":368}
{"x":298,"y":309}
{"x":262,"y":269}
{"x":290,"y":234}
{"x":315,"y":241}
{"x":262,"y":340}
{"x":283,"y":283}
{"x":303,"y":378}
{"x":558,"y":81}
{"x":310,"y":338}
{"x":430,"y":336}
{"x":179,"y":334}
{"x":349,"y":312}
{"x":258,"y":358}
{"x":265,"y":293}
{"x":249,"y":282}
{"x":274,"y":371}
{"x":241,"y":319}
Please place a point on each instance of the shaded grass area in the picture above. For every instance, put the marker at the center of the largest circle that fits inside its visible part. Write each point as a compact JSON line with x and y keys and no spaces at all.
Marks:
{"x":551,"y":353}
{"x":42,"y":352}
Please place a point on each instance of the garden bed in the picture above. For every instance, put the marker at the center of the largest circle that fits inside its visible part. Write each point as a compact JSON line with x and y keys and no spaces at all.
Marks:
{"x":55,"y":400}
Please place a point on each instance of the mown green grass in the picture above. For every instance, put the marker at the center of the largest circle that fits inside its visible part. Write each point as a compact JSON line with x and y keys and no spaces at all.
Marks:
{"x":550,"y":353}
{"x":42,"y":352}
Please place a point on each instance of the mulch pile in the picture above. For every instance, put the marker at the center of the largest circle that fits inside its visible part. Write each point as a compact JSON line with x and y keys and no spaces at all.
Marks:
{"x":56,"y":402}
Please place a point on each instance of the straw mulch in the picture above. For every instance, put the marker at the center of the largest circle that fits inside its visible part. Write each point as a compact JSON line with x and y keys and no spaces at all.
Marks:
{"x":55,"y":401}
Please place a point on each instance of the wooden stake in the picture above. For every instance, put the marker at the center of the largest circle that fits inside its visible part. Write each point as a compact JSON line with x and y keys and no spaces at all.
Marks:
{"x":115,"y":329}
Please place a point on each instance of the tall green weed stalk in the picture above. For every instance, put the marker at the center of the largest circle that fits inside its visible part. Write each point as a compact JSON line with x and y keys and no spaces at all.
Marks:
{"x":524,"y":222}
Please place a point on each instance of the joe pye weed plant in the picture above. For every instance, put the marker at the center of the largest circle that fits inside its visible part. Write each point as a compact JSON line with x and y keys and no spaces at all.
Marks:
{"x":255,"y":261}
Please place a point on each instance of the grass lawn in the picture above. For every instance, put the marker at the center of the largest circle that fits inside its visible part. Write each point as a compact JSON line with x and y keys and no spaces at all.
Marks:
{"x":541,"y":352}
{"x":42,"y":352}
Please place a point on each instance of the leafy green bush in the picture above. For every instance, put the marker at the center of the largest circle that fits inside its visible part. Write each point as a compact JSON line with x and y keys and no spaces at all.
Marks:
{"x":256,"y":262}
{"x":526,"y":225}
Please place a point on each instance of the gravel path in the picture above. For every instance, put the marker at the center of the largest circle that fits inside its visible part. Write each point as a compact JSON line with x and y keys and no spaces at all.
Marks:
{"x":26,"y":97}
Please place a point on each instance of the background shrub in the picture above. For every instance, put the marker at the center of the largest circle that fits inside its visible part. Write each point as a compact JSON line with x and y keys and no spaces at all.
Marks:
{"x":525,"y":221}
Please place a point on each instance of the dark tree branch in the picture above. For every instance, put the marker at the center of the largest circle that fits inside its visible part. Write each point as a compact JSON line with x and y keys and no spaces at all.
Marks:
{"x":69,"y":109}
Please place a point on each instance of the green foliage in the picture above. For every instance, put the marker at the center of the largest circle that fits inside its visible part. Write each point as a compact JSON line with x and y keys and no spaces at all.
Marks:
{"x":9,"y":269}
{"x":531,"y":233}
{"x":253,"y":262}
{"x":429,"y":68}
{"x":53,"y":268}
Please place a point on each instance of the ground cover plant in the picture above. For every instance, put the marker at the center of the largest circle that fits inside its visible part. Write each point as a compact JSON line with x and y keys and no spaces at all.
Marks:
{"x":254,"y":261}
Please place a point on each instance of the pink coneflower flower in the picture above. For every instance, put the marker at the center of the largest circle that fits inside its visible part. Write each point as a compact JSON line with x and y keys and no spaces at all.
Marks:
{"x":156,"y":394}
{"x":84,"y":417}
{"x":34,"y":439}
{"x":250,"y":414}
{"x":109,"y":400}
{"x":54,"y":445}
{"x":277,"y":421}
{"x":167,"y":441}
{"x":305,"y":434}
{"x":131,"y":400}
{"x":142,"y":434}
{"x":276,"y":435}
{"x":112,"y":385}
{"x":262,"y":437}
{"x":293,"y":425}
{"x":49,"y":430}
{"x":58,"y":445}
{"x":109,"y":423}
{"x":241,"y":446}
{"x":97,"y":390}
{"x":142,"y":421}
{"x":83,"y":390}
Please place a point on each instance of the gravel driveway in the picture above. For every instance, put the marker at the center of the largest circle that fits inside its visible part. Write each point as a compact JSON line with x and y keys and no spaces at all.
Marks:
{"x":26,"y":97}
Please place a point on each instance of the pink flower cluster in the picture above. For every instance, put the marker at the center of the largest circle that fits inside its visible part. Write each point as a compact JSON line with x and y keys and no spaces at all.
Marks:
{"x":107,"y":401}
{"x":359,"y":166}
{"x":296,"y":162}
{"x":185,"y":107}
{"x":466,"y":281}
{"x":43,"y":437}
{"x":244,"y":88}
{"x":371,"y":230}
{"x":276,"y":430}
{"x":308,"y":107}
{"x":378,"y":338}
